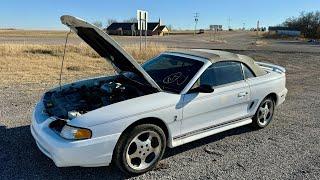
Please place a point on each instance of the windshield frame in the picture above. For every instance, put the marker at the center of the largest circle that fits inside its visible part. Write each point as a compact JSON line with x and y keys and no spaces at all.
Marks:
{"x":198,"y":73}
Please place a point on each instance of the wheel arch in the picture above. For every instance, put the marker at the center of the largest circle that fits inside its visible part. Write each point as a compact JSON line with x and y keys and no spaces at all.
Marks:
{"x":273,"y":96}
{"x":151,"y":120}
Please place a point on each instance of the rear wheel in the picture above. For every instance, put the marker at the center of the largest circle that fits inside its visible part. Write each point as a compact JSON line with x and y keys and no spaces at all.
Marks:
{"x":140,"y":149}
{"x":264,"y":113}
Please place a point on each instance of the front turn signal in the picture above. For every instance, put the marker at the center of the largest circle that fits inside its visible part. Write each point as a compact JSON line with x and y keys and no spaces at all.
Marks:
{"x":75,"y":133}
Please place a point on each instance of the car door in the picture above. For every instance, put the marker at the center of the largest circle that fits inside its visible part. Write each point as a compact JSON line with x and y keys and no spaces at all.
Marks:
{"x":228,"y":102}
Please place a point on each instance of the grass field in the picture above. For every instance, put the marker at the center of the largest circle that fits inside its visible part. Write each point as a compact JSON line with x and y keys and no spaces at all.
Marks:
{"x":33,"y":33}
{"x":28,"y":64}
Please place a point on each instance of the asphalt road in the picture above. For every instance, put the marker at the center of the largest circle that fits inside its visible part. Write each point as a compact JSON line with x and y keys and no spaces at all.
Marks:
{"x":289,"y":148}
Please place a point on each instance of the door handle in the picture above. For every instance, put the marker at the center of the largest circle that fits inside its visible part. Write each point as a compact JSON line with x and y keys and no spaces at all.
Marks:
{"x":242,"y":94}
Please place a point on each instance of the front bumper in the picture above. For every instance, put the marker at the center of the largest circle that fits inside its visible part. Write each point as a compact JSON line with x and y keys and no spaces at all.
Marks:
{"x":96,"y":151}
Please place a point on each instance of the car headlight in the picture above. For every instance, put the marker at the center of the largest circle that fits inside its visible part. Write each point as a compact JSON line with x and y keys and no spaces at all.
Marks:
{"x":75,"y":133}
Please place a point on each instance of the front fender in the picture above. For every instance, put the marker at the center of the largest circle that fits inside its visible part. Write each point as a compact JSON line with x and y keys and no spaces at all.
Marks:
{"x":115,"y":118}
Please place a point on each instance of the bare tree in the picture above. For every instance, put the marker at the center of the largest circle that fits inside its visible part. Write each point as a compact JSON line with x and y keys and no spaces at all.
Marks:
{"x":98,"y":24}
{"x":110,"y":21}
{"x":131,"y":20}
{"x":307,"y":23}
{"x":170,"y":27}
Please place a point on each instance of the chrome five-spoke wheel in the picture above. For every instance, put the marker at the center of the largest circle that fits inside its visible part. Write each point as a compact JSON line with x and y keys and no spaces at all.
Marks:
{"x":140,"y":148}
{"x":143,"y":150}
{"x":264,"y":113}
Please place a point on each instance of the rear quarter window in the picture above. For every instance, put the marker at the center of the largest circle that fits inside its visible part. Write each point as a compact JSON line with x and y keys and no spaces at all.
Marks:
{"x":247,"y":72}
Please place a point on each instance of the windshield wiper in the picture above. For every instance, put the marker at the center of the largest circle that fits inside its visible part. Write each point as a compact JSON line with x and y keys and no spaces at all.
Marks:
{"x":139,"y":80}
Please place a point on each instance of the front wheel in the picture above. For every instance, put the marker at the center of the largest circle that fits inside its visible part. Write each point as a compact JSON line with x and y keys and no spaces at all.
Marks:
{"x":140,"y":149}
{"x":264,"y":113}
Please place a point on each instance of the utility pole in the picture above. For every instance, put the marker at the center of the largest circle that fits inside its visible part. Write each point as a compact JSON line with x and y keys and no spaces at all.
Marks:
{"x":196,"y":19}
{"x":244,"y":28}
{"x":140,"y":22}
{"x":145,"y":29}
{"x":258,"y":28}
{"x":229,"y":27}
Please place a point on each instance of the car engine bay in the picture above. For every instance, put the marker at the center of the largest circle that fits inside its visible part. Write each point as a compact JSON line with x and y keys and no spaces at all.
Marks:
{"x":79,"y":98}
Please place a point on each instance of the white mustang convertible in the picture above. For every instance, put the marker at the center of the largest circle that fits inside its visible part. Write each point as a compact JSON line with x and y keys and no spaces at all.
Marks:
{"x":175,"y":98}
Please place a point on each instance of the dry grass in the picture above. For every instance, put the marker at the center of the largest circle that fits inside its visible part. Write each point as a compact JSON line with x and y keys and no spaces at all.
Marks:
{"x":40,"y":64}
{"x":151,"y":51}
{"x":33,"y":33}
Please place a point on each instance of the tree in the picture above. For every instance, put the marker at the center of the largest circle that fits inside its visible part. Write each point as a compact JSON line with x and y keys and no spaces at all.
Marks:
{"x":98,"y":24}
{"x":110,"y":21}
{"x":131,"y":20}
{"x":307,"y":23}
{"x":170,"y":27}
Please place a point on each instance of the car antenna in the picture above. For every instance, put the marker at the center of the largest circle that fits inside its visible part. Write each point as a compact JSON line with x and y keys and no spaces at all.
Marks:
{"x":64,"y":53}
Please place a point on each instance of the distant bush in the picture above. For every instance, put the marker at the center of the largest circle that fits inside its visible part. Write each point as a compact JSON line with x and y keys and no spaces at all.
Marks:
{"x":307,"y":23}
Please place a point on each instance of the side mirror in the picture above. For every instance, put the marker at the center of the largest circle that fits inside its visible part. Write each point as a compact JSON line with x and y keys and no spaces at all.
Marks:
{"x":203,"y":88}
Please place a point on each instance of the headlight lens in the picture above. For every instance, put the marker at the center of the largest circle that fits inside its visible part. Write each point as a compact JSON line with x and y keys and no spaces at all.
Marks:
{"x":75,"y":133}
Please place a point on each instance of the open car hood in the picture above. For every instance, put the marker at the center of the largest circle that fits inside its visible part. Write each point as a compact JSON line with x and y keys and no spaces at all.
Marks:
{"x":106,"y":47}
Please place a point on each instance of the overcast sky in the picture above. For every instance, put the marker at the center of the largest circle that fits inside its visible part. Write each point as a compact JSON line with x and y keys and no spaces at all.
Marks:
{"x":44,"y":14}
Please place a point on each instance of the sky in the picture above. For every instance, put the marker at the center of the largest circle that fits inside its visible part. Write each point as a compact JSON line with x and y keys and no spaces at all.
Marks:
{"x":45,"y":14}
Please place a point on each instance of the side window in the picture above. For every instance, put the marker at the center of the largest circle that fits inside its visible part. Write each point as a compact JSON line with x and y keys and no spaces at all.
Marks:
{"x":247,"y":72}
{"x":222,"y":73}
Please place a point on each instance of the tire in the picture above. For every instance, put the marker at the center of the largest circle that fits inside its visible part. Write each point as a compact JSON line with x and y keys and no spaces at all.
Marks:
{"x":264,"y":114}
{"x":139,"y":149}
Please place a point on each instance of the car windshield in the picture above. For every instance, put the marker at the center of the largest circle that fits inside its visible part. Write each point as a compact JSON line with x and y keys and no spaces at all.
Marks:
{"x":172,"y":73}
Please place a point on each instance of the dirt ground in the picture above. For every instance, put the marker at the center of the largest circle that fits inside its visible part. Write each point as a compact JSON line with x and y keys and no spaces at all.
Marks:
{"x":289,"y":148}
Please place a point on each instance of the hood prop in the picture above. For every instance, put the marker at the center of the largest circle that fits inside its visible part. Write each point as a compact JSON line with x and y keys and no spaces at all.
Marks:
{"x":64,"y":53}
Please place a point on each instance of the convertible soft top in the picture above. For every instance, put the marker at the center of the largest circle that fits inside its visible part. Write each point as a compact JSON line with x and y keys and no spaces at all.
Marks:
{"x":216,"y":56}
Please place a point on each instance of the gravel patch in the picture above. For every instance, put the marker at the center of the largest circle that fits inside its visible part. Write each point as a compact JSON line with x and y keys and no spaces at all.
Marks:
{"x":289,"y":148}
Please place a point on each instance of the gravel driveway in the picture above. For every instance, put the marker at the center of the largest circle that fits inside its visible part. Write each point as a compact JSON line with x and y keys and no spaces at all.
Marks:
{"x":289,"y":148}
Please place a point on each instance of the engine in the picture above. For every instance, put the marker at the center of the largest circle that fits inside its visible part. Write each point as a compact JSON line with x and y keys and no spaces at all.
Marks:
{"x":73,"y":101}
